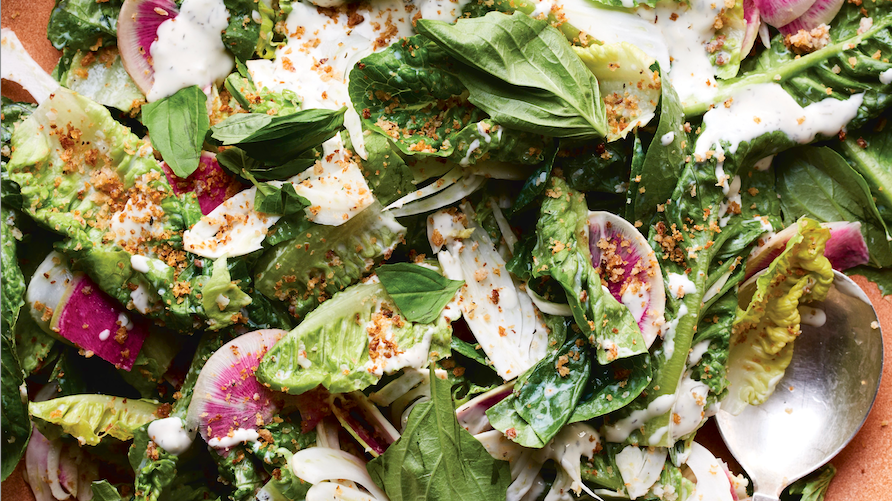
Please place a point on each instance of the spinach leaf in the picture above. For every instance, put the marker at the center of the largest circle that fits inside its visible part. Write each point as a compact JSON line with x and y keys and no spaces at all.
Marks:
{"x":819,"y":183}
{"x":273,"y":199}
{"x":277,"y":140}
{"x":652,"y":181}
{"x":611,"y":387}
{"x":523,"y":73}
{"x":242,"y":35}
{"x":81,"y":24}
{"x":869,"y":154}
{"x":435,"y":458}
{"x":13,"y":412}
{"x":562,"y":253}
{"x":420,"y":293}
{"x":177,"y":125}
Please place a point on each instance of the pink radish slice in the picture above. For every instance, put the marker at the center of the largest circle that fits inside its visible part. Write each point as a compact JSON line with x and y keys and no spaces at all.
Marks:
{"x":780,"y":12}
{"x":364,"y":421}
{"x":71,"y":306}
{"x":624,"y":261}
{"x":845,"y":249}
{"x":212,"y":185}
{"x":313,"y":407}
{"x":94,"y":321}
{"x":51,"y":471}
{"x":137,"y":28}
{"x":821,"y":12}
{"x":228,"y":403}
{"x":753,"y":19}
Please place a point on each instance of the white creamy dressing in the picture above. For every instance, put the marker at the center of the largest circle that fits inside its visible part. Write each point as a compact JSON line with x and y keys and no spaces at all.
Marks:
{"x":142,"y":299}
{"x":239,"y":436}
{"x":886,"y":77}
{"x":679,"y":285}
{"x":171,"y":435}
{"x":640,"y":468}
{"x":687,"y":410}
{"x":636,"y":302}
{"x":764,"y":108}
{"x":189,"y":50}
{"x":814,"y":317}
{"x":103,"y":336}
{"x":620,"y":430}
{"x":667,"y":138}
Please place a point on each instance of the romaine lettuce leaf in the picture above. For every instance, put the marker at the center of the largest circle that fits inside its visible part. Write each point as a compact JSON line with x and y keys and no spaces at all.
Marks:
{"x":13,"y":286}
{"x":763,"y":335}
{"x":814,"y":487}
{"x":155,"y":468}
{"x":101,"y":76}
{"x":221,"y":298}
{"x":263,"y":100}
{"x":89,"y":418}
{"x":350,"y":341}
{"x":322,"y":260}
{"x":438,"y":459}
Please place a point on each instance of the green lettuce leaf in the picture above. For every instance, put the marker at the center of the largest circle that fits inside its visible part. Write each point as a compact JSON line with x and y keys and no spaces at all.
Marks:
{"x":82,"y":24}
{"x":819,"y":183}
{"x":13,"y":286}
{"x":101,"y":77}
{"x":322,"y":260}
{"x":155,"y":469}
{"x":89,"y":418}
{"x":814,"y":487}
{"x":350,"y":341}
{"x":273,"y":199}
{"x":242,"y":36}
{"x":435,"y":458}
{"x":867,"y":152}
{"x":13,"y":412}
{"x":222,"y":299}
{"x":104,"y":491}
{"x":562,"y":252}
{"x":385,"y":171}
{"x":763,"y":335}
{"x":523,"y":73}
{"x":263,"y":100}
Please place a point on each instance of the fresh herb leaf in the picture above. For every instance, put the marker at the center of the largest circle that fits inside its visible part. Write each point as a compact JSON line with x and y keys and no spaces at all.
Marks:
{"x":420,"y":293}
{"x":80,"y":24}
{"x":523,"y":73}
{"x":612,"y":387}
{"x":104,"y":491}
{"x":242,"y":34}
{"x":813,"y":487}
{"x":277,"y":140}
{"x":177,"y":125}
{"x":535,"y":184}
{"x":438,"y":459}
{"x":273,"y":199}
{"x":237,"y":161}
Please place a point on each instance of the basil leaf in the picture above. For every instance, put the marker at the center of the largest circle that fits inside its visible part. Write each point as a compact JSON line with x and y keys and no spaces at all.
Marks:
{"x":279,"y":200}
{"x":420,"y":293}
{"x":438,"y":459}
{"x":177,"y":125}
{"x":523,"y":73}
{"x":277,"y":140}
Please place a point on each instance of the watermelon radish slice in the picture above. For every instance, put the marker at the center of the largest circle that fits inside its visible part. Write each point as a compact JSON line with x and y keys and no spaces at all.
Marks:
{"x":313,"y":406}
{"x":137,"y":28}
{"x":845,"y":249}
{"x":228,"y":403}
{"x":72,"y":306}
{"x":820,"y":12}
{"x":364,"y":421}
{"x":212,"y":185}
{"x":781,"y":12}
{"x":753,"y":19}
{"x":629,"y":267}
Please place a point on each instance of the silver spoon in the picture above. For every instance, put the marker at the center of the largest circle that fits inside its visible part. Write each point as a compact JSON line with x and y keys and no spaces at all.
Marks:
{"x":821,"y":402}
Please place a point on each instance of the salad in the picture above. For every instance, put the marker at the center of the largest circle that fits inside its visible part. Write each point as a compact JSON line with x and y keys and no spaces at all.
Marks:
{"x":426,"y":249}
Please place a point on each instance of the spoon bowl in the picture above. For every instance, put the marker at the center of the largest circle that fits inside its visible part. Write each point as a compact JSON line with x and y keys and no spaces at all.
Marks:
{"x":823,"y":398}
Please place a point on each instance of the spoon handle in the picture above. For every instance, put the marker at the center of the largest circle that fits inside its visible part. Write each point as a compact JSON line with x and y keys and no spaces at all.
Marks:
{"x":764,"y":497}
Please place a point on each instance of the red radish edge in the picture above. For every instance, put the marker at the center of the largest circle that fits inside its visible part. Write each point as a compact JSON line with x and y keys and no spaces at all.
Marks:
{"x":137,"y":29}
{"x":227,"y":395}
{"x":821,"y":12}
{"x":313,"y":407}
{"x":364,"y":421}
{"x":212,"y":185}
{"x":845,"y":249}
{"x":96,"y":322}
{"x":753,"y":19}
{"x":780,"y":12}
